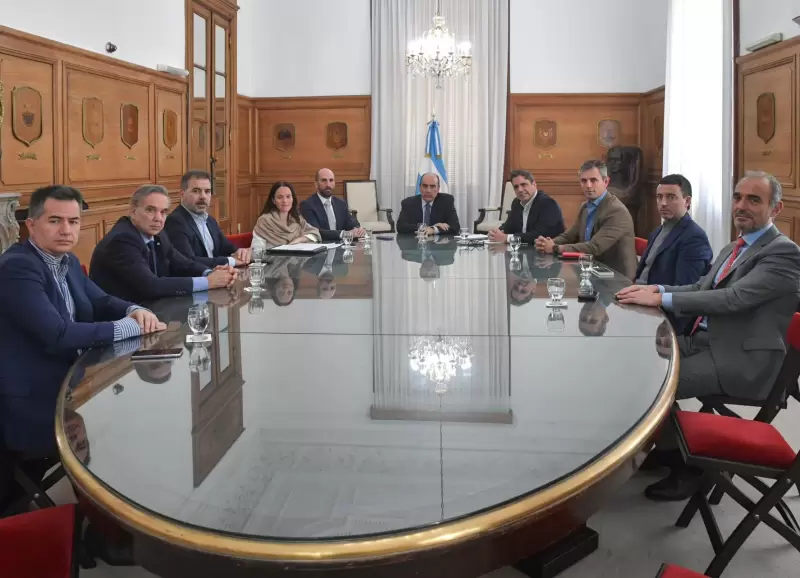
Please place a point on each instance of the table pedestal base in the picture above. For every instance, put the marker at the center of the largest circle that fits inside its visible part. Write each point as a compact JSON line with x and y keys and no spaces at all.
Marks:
{"x":557,"y":557}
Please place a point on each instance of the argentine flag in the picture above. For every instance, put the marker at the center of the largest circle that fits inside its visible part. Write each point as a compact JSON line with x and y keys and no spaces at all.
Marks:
{"x":433,"y":162}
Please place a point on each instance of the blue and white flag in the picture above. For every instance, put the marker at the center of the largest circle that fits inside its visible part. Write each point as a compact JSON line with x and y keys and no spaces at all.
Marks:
{"x":433,"y":162}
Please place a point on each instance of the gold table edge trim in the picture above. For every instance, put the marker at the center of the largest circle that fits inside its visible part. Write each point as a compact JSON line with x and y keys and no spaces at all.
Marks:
{"x":321,"y":551}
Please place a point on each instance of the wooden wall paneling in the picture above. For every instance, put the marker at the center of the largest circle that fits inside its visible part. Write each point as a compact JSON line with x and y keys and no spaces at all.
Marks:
{"x":651,"y":141}
{"x":170,"y":107}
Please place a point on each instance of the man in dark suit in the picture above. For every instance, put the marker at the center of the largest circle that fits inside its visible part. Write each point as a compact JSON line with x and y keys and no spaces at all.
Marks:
{"x":49,"y":312}
{"x":136,"y":260}
{"x":436,"y":210}
{"x":533,"y":214}
{"x":329,"y":214}
{"x":678,"y":252}
{"x":196,"y":234}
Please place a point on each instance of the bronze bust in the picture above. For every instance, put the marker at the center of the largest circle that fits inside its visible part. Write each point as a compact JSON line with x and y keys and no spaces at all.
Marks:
{"x":625,"y":170}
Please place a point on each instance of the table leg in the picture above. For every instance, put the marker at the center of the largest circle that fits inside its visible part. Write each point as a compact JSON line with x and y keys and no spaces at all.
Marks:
{"x":557,"y":557}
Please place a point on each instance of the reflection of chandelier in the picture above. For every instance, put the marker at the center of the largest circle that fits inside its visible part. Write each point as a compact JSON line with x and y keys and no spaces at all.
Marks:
{"x":438,"y":358}
{"x":436,"y":55}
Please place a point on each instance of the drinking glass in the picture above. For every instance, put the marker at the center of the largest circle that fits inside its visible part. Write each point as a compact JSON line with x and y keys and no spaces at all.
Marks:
{"x":514,"y":241}
{"x":367,"y":237}
{"x":256,"y":273}
{"x":198,"y":322}
{"x":421,"y":228}
{"x":515,"y":264}
{"x":347,"y":256}
{"x":256,"y":304}
{"x":555,"y":322}
{"x":464,"y":233}
{"x":555,"y":288}
{"x":347,"y":238}
{"x":199,"y":358}
{"x":586,"y":264}
{"x":258,"y":254}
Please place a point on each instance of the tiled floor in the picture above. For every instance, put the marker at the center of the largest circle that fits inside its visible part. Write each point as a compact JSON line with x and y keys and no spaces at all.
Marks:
{"x":636,"y":536}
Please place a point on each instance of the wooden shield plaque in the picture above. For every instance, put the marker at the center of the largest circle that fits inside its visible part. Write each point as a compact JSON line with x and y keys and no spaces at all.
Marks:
{"x":93,"y":130}
{"x":284,"y":137}
{"x":201,"y":136}
{"x":336,"y":135}
{"x":219,"y":136}
{"x":129,"y":124}
{"x":170,"y":128}
{"x":765,"y":110}
{"x":26,"y":113}
{"x":545,"y":133}
{"x":608,"y":131}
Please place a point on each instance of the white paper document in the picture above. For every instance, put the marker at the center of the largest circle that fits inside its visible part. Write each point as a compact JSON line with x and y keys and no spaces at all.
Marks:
{"x":300,"y":248}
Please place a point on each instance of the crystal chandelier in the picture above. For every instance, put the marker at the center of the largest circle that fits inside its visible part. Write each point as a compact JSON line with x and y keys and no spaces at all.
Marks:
{"x":436,"y":54}
{"x":438,"y":358}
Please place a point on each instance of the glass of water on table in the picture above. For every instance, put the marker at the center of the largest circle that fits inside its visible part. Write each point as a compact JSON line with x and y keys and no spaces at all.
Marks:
{"x":198,"y":320}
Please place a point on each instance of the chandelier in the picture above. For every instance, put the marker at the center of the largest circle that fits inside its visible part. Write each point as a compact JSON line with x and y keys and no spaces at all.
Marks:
{"x":439,"y":358}
{"x":436,"y":54}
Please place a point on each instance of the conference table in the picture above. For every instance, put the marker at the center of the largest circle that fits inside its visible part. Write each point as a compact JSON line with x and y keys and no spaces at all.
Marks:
{"x":397,"y":409}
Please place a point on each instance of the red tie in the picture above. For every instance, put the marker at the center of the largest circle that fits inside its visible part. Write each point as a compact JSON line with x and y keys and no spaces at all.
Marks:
{"x":725,"y":270}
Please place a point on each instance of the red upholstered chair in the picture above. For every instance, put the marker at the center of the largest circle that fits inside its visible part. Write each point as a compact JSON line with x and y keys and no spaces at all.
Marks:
{"x":670,"y":571}
{"x":725,"y":446}
{"x":40,"y":544}
{"x":85,"y":270}
{"x":641,"y":245}
{"x":242,"y":240}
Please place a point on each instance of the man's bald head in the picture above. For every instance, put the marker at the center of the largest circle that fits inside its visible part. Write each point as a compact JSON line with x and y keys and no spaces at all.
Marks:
{"x":326,"y":182}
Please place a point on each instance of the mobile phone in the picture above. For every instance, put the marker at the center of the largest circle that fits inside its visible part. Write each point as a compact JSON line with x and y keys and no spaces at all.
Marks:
{"x":600,"y":271}
{"x":587,"y":297}
{"x":149,"y":354}
{"x":385,"y":237}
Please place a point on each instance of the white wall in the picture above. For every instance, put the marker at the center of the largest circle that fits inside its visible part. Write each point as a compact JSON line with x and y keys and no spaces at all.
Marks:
{"x":146,"y":32}
{"x":758,"y":19}
{"x":588,"y":46}
{"x":305,"y":48}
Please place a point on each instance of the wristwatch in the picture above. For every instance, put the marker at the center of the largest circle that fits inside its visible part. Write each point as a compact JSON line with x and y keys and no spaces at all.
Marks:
{"x":556,"y":250}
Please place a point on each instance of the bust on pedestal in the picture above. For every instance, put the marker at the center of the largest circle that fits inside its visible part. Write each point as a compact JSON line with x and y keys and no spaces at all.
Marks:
{"x":9,"y":228}
{"x":625,"y":170}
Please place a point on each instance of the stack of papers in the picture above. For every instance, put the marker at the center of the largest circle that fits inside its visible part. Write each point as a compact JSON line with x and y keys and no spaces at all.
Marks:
{"x":300,"y":248}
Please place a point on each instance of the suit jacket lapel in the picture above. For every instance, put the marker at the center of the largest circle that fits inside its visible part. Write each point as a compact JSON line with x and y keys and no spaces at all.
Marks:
{"x":762,"y":242}
{"x":192,"y":225}
{"x":582,"y":217}
{"x":78,"y":300}
{"x":316,"y":205}
{"x":673,"y":235}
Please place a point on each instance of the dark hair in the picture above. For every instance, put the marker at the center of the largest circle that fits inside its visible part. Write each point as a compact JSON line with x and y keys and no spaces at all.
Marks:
{"x":270,"y":205}
{"x":273,"y":281}
{"x":57,"y":192}
{"x":521,"y":173}
{"x":149,"y":371}
{"x":194,"y":174}
{"x":682,"y":182}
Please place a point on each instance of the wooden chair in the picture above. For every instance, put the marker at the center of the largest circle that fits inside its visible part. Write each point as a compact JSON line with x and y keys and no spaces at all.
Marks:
{"x":670,"y":571}
{"x":641,"y":245}
{"x":40,"y":544}
{"x":484,"y":226}
{"x":241,"y":240}
{"x":725,"y":446}
{"x":362,"y":200}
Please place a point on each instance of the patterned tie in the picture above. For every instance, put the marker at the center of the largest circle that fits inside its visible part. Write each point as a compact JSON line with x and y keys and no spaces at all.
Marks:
{"x":151,"y":249}
{"x":725,"y":270}
{"x":427,"y":216}
{"x":331,"y":215}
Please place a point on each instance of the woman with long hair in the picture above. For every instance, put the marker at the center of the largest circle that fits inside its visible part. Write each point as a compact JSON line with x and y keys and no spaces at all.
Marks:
{"x":280,"y":223}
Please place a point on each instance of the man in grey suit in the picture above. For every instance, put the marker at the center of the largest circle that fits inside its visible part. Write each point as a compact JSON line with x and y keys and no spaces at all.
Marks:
{"x":742,"y":307}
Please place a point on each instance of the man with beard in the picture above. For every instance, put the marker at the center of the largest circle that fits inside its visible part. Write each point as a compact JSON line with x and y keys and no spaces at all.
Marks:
{"x":741,"y":309}
{"x":196,"y":234}
{"x":329,"y":214}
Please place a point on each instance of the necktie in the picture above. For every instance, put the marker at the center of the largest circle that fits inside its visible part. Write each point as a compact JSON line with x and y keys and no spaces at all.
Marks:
{"x":331,"y":215}
{"x":725,"y":270}
{"x":427,"y":216}
{"x":151,"y":250}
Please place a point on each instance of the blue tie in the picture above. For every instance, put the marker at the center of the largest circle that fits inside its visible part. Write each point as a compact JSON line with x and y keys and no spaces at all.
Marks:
{"x":152,"y":250}
{"x":427,"y":217}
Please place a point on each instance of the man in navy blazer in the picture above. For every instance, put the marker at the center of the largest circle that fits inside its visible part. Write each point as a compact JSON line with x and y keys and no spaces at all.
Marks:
{"x":49,"y":312}
{"x":678,"y":252}
{"x":136,"y":260}
{"x":329,"y":214}
{"x":196,"y":234}
{"x":436,"y":210}
{"x":533,"y":214}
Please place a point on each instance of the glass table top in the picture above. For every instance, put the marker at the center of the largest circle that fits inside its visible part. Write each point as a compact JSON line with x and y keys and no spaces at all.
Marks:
{"x":369,"y":392}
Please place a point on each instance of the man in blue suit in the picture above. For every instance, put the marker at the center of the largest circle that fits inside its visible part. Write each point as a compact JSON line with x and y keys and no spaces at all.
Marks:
{"x":678,"y":252}
{"x":49,"y":312}
{"x":329,"y":214}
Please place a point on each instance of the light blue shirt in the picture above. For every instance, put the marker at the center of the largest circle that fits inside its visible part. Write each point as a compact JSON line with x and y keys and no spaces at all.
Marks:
{"x":749,"y":239}
{"x":591,"y":208}
{"x":198,"y":283}
{"x":208,"y":242}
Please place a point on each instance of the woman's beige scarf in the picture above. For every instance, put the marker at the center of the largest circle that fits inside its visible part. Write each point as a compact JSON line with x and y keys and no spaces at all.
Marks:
{"x":270,"y":228}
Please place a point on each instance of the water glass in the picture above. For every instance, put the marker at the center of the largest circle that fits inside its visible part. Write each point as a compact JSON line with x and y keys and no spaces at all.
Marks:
{"x":256,"y":273}
{"x":421,"y":228}
{"x":258,"y":254}
{"x":347,"y":238}
{"x":347,"y":256}
{"x":515,"y":264}
{"x":198,"y":320}
{"x":256,"y":304}
{"x":514,"y":241}
{"x":199,"y":358}
{"x":464,"y":233}
{"x":555,"y":288}
{"x":367,"y":237}
{"x":555,"y":322}
{"x":586,"y":264}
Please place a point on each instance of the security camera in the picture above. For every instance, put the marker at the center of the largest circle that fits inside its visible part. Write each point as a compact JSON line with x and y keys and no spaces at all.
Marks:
{"x":111,"y":47}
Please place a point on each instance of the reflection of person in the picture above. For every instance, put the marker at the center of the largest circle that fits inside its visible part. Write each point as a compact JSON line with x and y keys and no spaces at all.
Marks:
{"x":436,"y":210}
{"x":329,"y":214}
{"x":282,"y":278}
{"x":442,"y":251}
{"x":742,"y":308}
{"x":137,"y":261}
{"x":593,"y":318}
{"x":534,"y":268}
{"x":533,"y":214}
{"x":195,"y":233}
{"x":603,"y":227}
{"x":663,"y":340}
{"x":75,"y":429}
{"x":327,"y":267}
{"x":280,"y":222}
{"x":153,"y":371}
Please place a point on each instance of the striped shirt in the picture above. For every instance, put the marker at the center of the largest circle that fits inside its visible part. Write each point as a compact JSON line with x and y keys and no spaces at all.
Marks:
{"x":123,"y":328}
